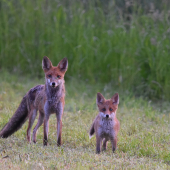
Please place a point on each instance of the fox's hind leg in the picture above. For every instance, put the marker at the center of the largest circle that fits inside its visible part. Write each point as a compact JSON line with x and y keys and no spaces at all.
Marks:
{"x":39,"y":123}
{"x":33,"y":114}
{"x":104,"y":144}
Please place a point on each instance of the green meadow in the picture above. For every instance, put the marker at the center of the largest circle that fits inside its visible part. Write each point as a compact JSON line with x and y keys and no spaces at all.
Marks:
{"x":111,"y":46}
{"x":143,"y":140}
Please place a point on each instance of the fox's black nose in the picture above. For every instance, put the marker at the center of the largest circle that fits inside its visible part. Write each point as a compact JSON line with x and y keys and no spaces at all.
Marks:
{"x":53,"y":84}
{"x":107,"y":116}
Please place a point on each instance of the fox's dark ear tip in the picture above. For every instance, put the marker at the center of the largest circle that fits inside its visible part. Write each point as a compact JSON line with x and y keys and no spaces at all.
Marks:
{"x":98,"y":94}
{"x":45,"y":57}
{"x":65,"y":59}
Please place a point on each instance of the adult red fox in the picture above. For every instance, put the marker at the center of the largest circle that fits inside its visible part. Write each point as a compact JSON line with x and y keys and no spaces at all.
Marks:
{"x":106,"y":125}
{"x":46,"y":99}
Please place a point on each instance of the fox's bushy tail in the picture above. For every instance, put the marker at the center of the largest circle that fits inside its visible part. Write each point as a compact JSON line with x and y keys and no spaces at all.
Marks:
{"x":17,"y":120}
{"x":92,"y":131}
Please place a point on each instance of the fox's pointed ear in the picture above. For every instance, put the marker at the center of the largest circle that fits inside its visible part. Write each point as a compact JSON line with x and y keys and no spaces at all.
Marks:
{"x":63,"y":65}
{"x":46,"y":64}
{"x":100,"y":99}
{"x":115,"y":99}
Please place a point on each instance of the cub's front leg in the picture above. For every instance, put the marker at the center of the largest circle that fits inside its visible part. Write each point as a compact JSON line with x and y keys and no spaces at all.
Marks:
{"x":114,"y":143}
{"x":98,"y":143}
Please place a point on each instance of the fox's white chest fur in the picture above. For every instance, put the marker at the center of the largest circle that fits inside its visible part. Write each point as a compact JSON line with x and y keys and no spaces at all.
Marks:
{"x":106,"y":128}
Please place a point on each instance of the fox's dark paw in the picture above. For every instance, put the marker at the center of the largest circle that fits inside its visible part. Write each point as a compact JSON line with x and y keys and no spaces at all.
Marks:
{"x":45,"y":143}
{"x":58,"y":144}
{"x":113,"y":149}
{"x":97,"y":151}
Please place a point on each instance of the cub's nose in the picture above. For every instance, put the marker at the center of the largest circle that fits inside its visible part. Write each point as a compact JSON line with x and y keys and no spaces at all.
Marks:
{"x":53,"y":84}
{"x":107,"y":116}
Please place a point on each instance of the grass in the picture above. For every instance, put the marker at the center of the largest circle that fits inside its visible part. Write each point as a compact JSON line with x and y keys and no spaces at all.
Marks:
{"x":104,"y":42}
{"x":143,"y":140}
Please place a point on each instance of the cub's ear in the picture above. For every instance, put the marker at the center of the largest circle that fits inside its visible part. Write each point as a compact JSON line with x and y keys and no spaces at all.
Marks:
{"x":100,"y":99}
{"x":46,"y":64}
{"x":63,"y":65}
{"x":115,"y":99}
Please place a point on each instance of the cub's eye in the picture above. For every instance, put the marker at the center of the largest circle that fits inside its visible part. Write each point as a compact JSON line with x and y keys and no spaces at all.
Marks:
{"x":49,"y":75}
{"x":111,"y":109}
{"x":103,"y":109}
{"x":58,"y":76}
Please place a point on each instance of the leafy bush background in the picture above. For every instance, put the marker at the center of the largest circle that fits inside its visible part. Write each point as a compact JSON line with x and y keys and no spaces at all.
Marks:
{"x":122,"y":43}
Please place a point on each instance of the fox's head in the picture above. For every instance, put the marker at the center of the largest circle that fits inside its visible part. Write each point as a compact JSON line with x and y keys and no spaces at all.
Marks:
{"x":54,"y":75}
{"x":107,"y":108}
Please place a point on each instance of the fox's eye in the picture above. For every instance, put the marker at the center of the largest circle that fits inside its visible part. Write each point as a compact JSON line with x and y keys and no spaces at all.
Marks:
{"x":49,"y":76}
{"x":111,"y":109}
{"x":103,"y":109}
{"x":58,"y":76}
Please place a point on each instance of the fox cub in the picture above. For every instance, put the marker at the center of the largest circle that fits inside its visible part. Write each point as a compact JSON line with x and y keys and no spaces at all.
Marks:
{"x":46,"y":99}
{"x":106,"y":125}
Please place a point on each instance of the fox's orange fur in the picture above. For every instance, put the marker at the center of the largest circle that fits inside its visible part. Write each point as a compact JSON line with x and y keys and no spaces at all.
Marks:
{"x":106,"y":125}
{"x":46,"y":99}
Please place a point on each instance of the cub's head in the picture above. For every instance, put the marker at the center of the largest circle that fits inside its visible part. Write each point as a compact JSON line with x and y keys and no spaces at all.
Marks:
{"x":107,"y":108}
{"x":54,"y":75}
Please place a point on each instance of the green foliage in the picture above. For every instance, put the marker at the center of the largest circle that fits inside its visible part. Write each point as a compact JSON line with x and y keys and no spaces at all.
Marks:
{"x":143,"y":140}
{"x":125,"y":44}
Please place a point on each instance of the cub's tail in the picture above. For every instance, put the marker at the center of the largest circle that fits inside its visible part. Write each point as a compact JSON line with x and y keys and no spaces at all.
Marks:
{"x":92,"y":131}
{"x":17,"y":120}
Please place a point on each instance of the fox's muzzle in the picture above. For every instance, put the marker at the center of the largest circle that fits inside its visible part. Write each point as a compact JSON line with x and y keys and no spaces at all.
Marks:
{"x":107,"y":116}
{"x":53,"y":84}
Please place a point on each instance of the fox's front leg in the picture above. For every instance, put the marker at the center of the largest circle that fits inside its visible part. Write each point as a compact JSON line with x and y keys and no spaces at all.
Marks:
{"x":46,"y":127}
{"x":59,"y":123}
{"x":59,"y":131}
{"x":46,"y":123}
